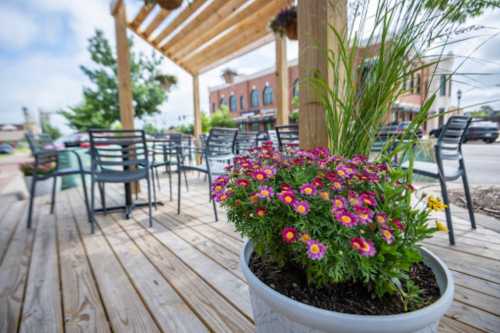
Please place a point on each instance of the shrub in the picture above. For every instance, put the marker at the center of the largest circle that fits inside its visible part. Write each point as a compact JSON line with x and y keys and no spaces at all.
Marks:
{"x":43,"y":169}
{"x":339,"y":219}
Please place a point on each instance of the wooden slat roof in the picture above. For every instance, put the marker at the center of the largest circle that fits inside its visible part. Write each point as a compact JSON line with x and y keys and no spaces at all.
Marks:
{"x":206,"y":33}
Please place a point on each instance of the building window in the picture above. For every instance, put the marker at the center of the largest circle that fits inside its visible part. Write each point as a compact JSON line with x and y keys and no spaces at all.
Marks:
{"x":242,"y":103}
{"x":213,"y":107}
{"x":268,"y":96}
{"x":442,"y":85}
{"x":412,"y":84}
{"x":419,"y":83}
{"x":295,"y":88}
{"x":254,"y":98}
{"x":232,"y":104}
{"x":222,"y":101}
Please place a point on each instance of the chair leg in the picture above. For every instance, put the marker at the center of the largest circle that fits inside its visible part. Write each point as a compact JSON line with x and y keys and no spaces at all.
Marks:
{"x":179,"y":175}
{"x":157,"y":178}
{"x":53,"y":197}
{"x":86,"y":198}
{"x":150,"y":206}
{"x":92,"y":203}
{"x":468,"y":197}
{"x":32,"y":200}
{"x":170,"y":180}
{"x":154,"y":188}
{"x":215,"y":211}
{"x":186,"y":181}
{"x":444,"y":193}
{"x":102,"y":192}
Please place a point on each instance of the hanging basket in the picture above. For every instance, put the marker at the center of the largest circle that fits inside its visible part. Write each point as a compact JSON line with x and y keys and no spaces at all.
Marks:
{"x":169,"y":4}
{"x":291,"y":31}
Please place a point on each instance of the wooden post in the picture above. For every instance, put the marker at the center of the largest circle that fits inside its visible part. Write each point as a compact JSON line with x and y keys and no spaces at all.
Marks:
{"x":281,"y":81}
{"x":197,"y":112}
{"x":124,"y":82}
{"x":315,"y":38}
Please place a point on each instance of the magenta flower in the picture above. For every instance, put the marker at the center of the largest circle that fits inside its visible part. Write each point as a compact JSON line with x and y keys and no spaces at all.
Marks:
{"x":344,"y":171}
{"x":301,"y":207}
{"x":364,"y":246}
{"x":339,"y":202}
{"x":222,"y":196}
{"x":346,"y":218}
{"x":317,"y":182}
{"x":286,"y":197}
{"x":368,"y":199}
{"x":265,"y":192}
{"x":354,"y":199}
{"x":398,"y":224}
{"x":285,"y":187}
{"x":365,"y":215}
{"x":387,"y":235}
{"x":381,"y":218}
{"x":242,"y":182}
{"x":289,"y":234}
{"x":261,"y":212}
{"x":269,"y":171}
{"x":259,"y":175}
{"x":223,"y":180}
{"x":315,"y":249}
{"x":308,"y":189}
{"x":217,"y":188}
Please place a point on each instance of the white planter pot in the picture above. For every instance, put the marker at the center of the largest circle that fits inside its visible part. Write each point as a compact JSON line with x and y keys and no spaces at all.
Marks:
{"x":276,"y":313}
{"x":43,"y":187}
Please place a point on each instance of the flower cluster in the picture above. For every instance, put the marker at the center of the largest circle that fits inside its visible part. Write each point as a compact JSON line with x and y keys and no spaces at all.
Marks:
{"x":339,"y":218}
{"x":27,"y":168}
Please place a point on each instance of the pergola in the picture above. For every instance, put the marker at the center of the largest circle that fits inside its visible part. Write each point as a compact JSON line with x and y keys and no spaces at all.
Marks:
{"x":207,"y":33}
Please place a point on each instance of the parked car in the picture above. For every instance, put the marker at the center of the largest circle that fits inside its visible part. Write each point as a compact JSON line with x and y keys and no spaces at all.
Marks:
{"x":478,"y":130}
{"x":80,"y":139}
{"x":5,"y":148}
{"x":396,"y":129}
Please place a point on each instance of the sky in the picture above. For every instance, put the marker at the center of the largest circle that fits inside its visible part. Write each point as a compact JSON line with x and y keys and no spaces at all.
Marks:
{"x":43,"y":43}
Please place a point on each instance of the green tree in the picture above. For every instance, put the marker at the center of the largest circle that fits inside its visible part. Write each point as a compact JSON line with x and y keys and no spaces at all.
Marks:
{"x":100,"y":106}
{"x":151,"y":129}
{"x":222,"y":118}
{"x":51,"y":131}
{"x":189,"y":128}
{"x":460,"y":10}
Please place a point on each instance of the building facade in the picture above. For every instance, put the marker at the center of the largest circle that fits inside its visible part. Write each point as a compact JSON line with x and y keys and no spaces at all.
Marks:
{"x":251,"y":98}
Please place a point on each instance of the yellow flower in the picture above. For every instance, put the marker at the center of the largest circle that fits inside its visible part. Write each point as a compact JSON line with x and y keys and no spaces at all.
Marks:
{"x":441,"y":226}
{"x":435,"y":204}
{"x":305,"y":237}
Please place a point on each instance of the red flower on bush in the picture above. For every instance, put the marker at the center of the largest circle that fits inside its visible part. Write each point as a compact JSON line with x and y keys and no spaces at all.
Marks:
{"x":289,"y":234}
{"x":364,"y":246}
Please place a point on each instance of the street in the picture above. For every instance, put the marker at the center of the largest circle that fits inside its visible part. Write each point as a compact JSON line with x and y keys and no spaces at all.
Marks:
{"x":482,"y":162}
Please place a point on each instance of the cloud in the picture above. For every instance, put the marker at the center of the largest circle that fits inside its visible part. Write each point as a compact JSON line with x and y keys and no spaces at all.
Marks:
{"x":17,"y":30}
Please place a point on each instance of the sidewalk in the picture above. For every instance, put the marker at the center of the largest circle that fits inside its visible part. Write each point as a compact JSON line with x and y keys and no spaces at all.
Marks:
{"x":11,"y":179}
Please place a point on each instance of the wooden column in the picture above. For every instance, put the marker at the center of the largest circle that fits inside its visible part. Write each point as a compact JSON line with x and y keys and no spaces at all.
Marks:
{"x":122,"y":52}
{"x":197,"y":129}
{"x":281,"y":81}
{"x":315,"y":38}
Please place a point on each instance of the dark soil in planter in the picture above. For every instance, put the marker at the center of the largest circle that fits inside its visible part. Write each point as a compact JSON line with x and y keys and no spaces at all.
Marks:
{"x":351,"y":298}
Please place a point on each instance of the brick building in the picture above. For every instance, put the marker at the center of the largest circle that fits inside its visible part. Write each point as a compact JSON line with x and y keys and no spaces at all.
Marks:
{"x":251,"y":99}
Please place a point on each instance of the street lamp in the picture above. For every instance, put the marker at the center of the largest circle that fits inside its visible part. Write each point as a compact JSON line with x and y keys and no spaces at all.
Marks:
{"x":459,"y":98}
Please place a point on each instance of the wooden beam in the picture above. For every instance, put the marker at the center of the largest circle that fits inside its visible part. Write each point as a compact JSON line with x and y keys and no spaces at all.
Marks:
{"x":213,"y":13}
{"x":162,"y":15}
{"x":232,"y":42}
{"x":124,"y":81}
{"x":179,"y":19}
{"x":141,"y":16}
{"x":281,"y":81}
{"x":114,"y":5}
{"x":266,"y":39}
{"x":196,"y":41}
{"x":197,"y":110}
{"x":315,"y":39}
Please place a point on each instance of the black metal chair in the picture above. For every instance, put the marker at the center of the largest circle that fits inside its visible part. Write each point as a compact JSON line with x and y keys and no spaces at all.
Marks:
{"x":449,"y":148}
{"x":246,"y":140}
{"x":119,"y":156}
{"x":288,"y":136}
{"x":217,"y":152}
{"x":46,"y":155}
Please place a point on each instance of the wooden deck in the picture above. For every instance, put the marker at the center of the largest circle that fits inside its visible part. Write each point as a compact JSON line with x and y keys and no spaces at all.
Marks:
{"x":182,"y":275}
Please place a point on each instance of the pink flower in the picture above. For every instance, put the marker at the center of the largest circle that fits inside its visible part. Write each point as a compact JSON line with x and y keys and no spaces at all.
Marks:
{"x":317,"y":182}
{"x":222,"y":180}
{"x":368,"y":199}
{"x":315,"y":249}
{"x":261,"y":212}
{"x":354,"y":199}
{"x":339,"y":202}
{"x":346,"y":218}
{"x":289,"y":234}
{"x":285,"y":187}
{"x":269,"y":171}
{"x":286,"y":197}
{"x":265,"y":192}
{"x":398,"y":224}
{"x":259,"y":175}
{"x":365,"y":215}
{"x":222,"y":196}
{"x":364,"y":246}
{"x":242,"y":182}
{"x":217,"y":188}
{"x":387,"y":235}
{"x":345,"y":171}
{"x":381,"y":218}
{"x":308,"y":189}
{"x":301,"y":207}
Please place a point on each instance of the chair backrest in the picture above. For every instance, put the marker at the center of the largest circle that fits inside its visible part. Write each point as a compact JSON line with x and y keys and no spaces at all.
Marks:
{"x":246,"y":140}
{"x":111,"y":149}
{"x":42,"y":148}
{"x":221,"y":141}
{"x":287,"y":135}
{"x":449,"y":143}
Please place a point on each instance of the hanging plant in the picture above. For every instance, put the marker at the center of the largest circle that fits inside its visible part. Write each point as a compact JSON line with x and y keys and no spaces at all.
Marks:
{"x":285,"y":23}
{"x":229,"y":75}
{"x":166,"y":81}
{"x":166,"y":4}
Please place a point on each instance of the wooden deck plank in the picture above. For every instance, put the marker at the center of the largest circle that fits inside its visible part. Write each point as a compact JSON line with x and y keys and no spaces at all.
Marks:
{"x":479,"y":300}
{"x":486,"y":287}
{"x":168,"y":308}
{"x":8,"y":224}
{"x":125,"y":309}
{"x":83,"y":309}
{"x":217,"y":313}
{"x":474,"y":317}
{"x":450,"y":325}
{"x":42,"y":310}
{"x":468,"y":245}
{"x":13,"y":274}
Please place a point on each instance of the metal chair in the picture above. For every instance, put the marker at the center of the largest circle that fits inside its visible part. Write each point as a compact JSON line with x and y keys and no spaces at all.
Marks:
{"x":119,"y":156}
{"x":246,"y":141}
{"x":449,"y":148}
{"x":288,"y":135}
{"x":45,"y":153}
{"x":218,"y":151}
